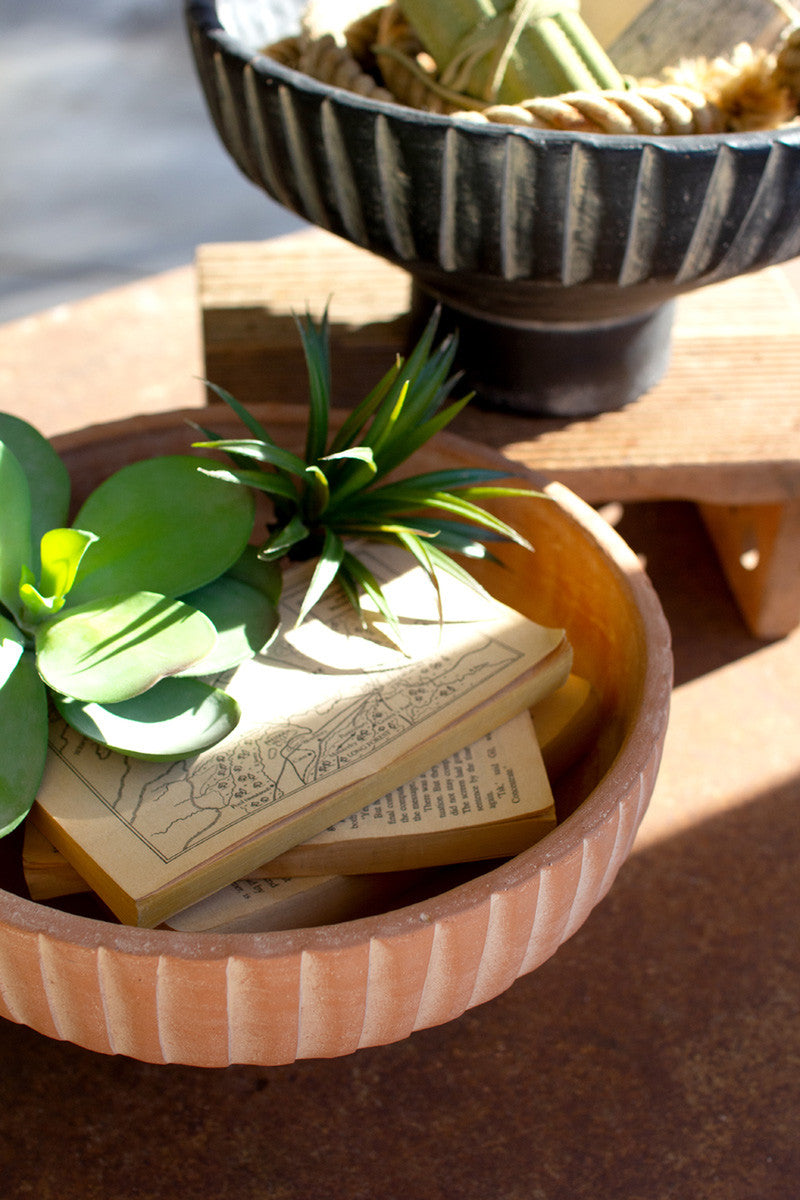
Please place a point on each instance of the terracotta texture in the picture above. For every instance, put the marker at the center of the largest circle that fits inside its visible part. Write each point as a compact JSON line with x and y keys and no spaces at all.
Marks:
{"x":269,"y":999}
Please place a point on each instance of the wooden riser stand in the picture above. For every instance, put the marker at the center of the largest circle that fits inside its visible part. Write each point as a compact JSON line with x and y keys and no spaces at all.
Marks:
{"x":721,"y":430}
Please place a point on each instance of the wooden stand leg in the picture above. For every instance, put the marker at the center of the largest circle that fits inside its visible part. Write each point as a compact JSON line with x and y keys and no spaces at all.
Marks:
{"x":759,"y":548}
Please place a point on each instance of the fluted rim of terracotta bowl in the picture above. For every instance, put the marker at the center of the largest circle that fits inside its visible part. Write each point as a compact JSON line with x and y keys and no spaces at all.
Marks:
{"x":63,"y":940}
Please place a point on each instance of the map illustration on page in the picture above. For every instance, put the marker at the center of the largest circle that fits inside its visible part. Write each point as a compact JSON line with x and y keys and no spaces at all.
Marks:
{"x":332,"y":718}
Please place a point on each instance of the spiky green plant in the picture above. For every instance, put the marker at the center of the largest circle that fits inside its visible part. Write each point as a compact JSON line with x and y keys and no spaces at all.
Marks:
{"x":340,"y":488}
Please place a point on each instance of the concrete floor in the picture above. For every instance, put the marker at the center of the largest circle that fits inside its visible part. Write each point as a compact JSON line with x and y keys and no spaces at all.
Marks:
{"x":656,"y":1056}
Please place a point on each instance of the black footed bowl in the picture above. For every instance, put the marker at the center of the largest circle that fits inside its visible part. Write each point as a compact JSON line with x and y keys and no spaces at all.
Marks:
{"x":557,"y":255}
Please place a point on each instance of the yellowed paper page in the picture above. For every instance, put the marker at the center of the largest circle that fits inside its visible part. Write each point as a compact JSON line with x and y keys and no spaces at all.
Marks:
{"x":262,"y":905}
{"x":332,"y":718}
{"x":501,"y":777}
{"x":565,"y":723}
{"x":47,"y":873}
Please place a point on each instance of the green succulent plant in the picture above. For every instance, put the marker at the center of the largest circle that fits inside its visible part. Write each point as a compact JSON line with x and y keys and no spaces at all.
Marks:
{"x":114,"y":618}
{"x":344,"y":485}
{"x":122,"y":620}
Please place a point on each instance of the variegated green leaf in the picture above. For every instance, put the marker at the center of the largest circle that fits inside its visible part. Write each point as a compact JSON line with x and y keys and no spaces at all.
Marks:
{"x":360,"y":576}
{"x":443,"y":562}
{"x":244,"y":415}
{"x":362,"y":454}
{"x":402,"y":448}
{"x":338,"y":495}
{"x":283,"y":539}
{"x":353,"y":425}
{"x":262,"y":452}
{"x":317,"y":494}
{"x":315,"y":350}
{"x":60,"y":554}
{"x":324,"y":574}
{"x":265,"y":481}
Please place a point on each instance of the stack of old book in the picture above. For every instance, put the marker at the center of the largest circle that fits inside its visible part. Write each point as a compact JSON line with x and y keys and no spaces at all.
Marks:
{"x":366,"y":756}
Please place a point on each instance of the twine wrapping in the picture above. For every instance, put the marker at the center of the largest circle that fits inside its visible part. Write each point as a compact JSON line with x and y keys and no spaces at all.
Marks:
{"x":654,"y":111}
{"x":497,"y":39}
{"x":326,"y":61}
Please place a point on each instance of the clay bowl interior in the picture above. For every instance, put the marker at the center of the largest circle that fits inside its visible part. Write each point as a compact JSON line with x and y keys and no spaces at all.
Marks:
{"x":212,"y":999}
{"x":557,"y":254}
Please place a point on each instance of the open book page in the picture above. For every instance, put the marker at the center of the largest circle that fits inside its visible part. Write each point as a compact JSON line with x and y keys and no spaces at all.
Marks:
{"x":333,"y":717}
{"x":47,"y":873}
{"x":440,"y":816}
{"x":644,"y":36}
{"x":565,"y":724}
{"x":260,"y":905}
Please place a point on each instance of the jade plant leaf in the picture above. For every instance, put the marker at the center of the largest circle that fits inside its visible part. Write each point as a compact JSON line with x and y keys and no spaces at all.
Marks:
{"x":175,"y":719}
{"x":23,"y":720}
{"x":112,"y":649}
{"x":48,"y":478}
{"x":61,"y":553}
{"x":12,"y":644}
{"x":162,"y":524}
{"x":245,"y":621}
{"x":15,"y":528}
{"x":266,"y":577}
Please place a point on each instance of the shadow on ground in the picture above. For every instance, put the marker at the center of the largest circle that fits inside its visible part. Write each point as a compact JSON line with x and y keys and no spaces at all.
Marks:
{"x":684,"y":569}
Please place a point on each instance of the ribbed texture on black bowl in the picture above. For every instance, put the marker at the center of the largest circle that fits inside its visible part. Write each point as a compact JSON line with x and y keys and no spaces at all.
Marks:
{"x":510,"y":204}
{"x":558,"y":252}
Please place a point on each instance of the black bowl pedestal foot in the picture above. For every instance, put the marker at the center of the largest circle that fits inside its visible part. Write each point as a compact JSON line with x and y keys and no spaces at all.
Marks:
{"x":555,"y":368}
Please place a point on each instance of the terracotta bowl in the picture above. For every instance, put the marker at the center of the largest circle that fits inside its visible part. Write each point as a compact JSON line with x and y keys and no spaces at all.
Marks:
{"x":212,"y":1000}
{"x":557,"y":254}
